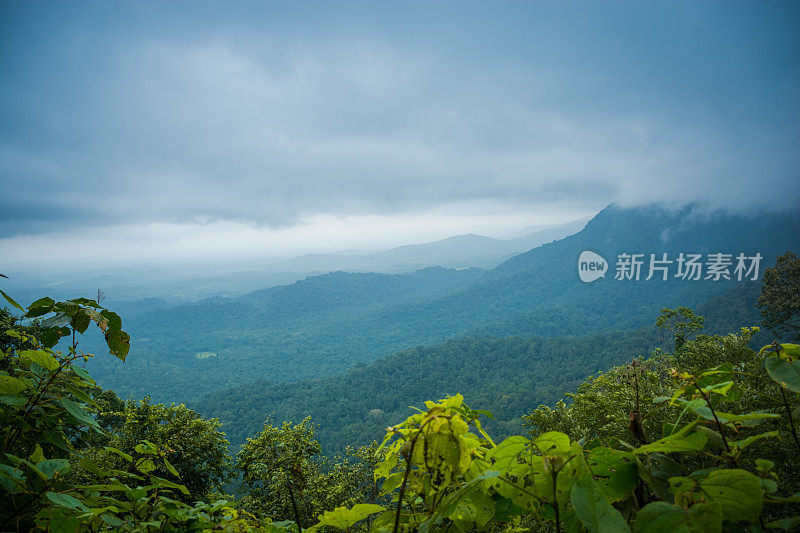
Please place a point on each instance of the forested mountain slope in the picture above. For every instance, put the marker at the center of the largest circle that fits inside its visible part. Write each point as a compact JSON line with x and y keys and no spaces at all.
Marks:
{"x":507,"y":376}
{"x":323,"y":325}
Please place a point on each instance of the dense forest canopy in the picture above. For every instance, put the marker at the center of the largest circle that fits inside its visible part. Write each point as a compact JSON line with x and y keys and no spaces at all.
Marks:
{"x":324,"y":325}
{"x":698,"y":434}
{"x":504,"y":375}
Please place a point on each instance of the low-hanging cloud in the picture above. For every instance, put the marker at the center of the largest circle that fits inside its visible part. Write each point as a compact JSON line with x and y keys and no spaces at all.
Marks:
{"x":223,"y":120}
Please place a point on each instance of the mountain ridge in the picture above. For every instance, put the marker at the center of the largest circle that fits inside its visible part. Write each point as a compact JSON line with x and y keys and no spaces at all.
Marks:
{"x":320,"y":326}
{"x":508,"y":376}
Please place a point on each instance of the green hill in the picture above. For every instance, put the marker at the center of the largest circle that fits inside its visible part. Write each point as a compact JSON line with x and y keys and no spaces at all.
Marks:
{"x":507,"y":376}
{"x":323,"y":325}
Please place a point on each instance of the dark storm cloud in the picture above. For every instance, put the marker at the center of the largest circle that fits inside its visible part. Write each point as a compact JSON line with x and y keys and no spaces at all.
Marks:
{"x":126,"y":113}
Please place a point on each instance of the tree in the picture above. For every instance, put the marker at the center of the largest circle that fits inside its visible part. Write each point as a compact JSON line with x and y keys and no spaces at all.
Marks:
{"x":194,"y":445}
{"x":780,"y":298}
{"x":280,"y":466}
{"x":679,"y":324}
{"x":603,"y":405}
{"x":287,"y":477}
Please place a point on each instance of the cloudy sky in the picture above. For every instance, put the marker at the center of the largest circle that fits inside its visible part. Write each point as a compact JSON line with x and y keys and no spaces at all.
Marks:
{"x":151,"y":129}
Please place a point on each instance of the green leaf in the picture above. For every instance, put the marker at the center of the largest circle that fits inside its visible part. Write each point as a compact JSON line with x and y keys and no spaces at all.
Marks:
{"x":594,"y":512}
{"x":51,"y":336}
{"x":87,"y":302}
{"x":169,"y":484}
{"x":791,"y":350}
{"x":12,"y":479}
{"x":82,"y":396}
{"x":114,"y":486}
{"x":553,"y":443}
{"x":64,"y":500}
{"x":60,"y":319}
{"x":344,"y":518}
{"x":40,"y":307}
{"x":82,"y":374}
{"x":738,"y":492}
{"x":785,"y":373}
{"x":455,"y":501}
{"x":744,"y":443}
{"x":616,"y":472}
{"x":119,"y":343}
{"x":171,"y":469}
{"x":146,"y":448}
{"x":505,"y":454}
{"x":786,"y":524}
{"x":112,"y":320}
{"x":35,"y":469}
{"x":50,"y":467}
{"x":683,"y":440}
{"x":146,"y":466}
{"x":719,"y":388}
{"x":10,"y":300}
{"x":120,"y":453}
{"x":91,"y":467}
{"x":37,"y":455}
{"x":660,"y":517}
{"x":58,"y":520}
{"x":747,"y":419}
{"x":11,"y":385}
{"x":41,"y":358}
{"x":80,"y":321}
{"x":77,"y":411}
{"x":473,"y":512}
{"x":13,"y":400}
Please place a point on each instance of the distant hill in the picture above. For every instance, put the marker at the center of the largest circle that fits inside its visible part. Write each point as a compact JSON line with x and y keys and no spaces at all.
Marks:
{"x":460,"y":251}
{"x":507,"y":376}
{"x":323,"y":325}
{"x":192,"y":281}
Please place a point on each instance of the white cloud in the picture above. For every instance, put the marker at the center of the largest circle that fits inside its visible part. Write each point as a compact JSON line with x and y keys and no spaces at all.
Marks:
{"x":154,"y":242}
{"x":246,"y":124}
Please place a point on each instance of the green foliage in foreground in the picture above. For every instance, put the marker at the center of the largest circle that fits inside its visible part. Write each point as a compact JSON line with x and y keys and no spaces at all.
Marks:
{"x":702,"y":439}
{"x":56,"y":473}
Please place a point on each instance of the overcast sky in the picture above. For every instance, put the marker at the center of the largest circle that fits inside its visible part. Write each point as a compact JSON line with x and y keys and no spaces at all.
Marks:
{"x":144,"y":129}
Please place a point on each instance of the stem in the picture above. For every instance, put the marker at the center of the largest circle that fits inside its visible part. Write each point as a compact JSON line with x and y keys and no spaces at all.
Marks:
{"x":12,"y":437}
{"x":555,"y":498}
{"x":432,"y":506}
{"x":719,"y":424}
{"x":789,"y":414}
{"x":407,"y":473}
{"x":555,"y":472}
{"x":403,"y":486}
{"x":786,"y":401}
{"x":294,"y":504}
